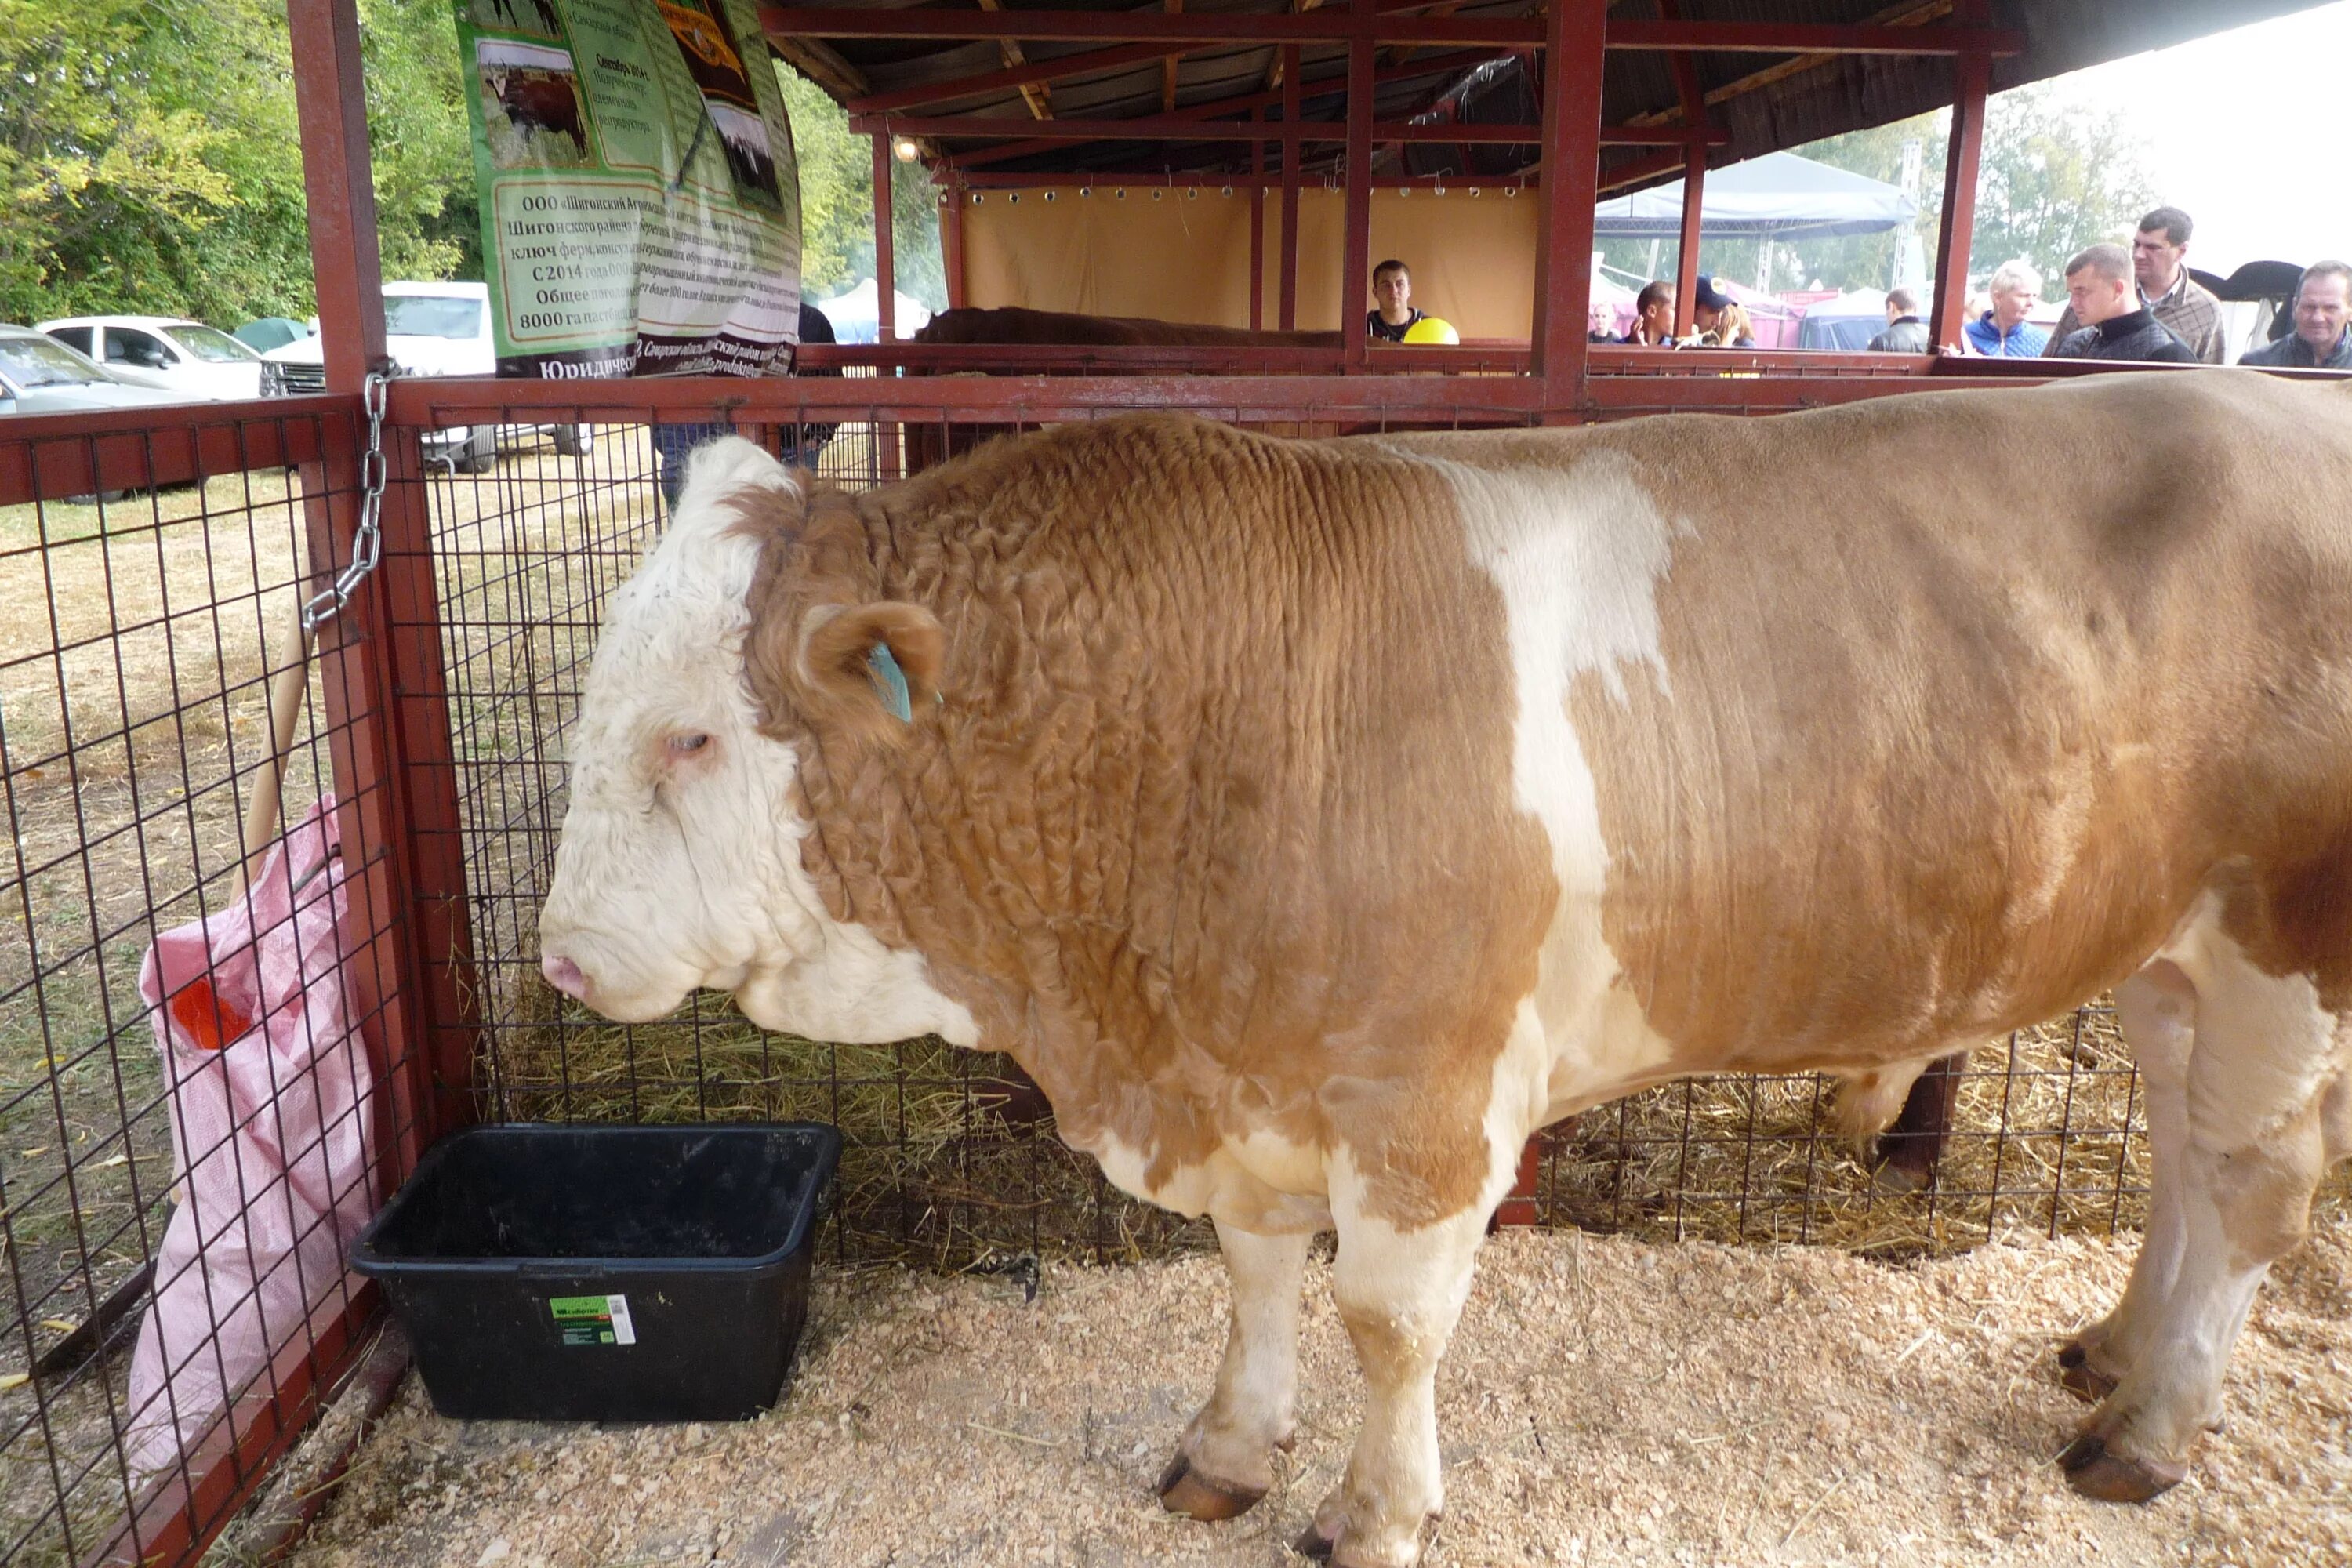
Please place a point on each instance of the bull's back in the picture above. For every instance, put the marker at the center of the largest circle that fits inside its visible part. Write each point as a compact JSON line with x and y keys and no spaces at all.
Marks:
{"x":1865,"y":732}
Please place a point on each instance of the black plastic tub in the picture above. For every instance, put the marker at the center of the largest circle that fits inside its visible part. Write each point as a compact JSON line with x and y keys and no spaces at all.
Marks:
{"x":570,"y":1273}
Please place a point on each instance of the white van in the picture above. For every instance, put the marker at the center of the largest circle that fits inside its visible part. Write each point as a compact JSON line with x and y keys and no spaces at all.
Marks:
{"x":430,"y":329}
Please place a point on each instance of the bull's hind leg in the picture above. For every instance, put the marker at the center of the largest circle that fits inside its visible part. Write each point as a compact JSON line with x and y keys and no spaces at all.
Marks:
{"x":1225,"y":1461}
{"x":2249,"y":1150}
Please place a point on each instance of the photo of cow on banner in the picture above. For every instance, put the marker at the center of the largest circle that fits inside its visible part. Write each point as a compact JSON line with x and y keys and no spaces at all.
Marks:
{"x":640,"y":199}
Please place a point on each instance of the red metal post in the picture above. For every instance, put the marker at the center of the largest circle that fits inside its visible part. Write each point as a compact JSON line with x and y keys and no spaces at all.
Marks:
{"x":1692,"y":99}
{"x":1686,"y":266}
{"x":1356,"y":252}
{"x":1257,"y":229}
{"x":1291,"y":147}
{"x":952,"y":241}
{"x":1972,"y":75}
{"x":886,"y":281}
{"x":330,"y":106}
{"x":1575,"y":34}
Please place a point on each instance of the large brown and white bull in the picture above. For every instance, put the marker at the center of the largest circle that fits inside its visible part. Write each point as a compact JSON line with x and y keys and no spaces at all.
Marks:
{"x":1316,"y":820}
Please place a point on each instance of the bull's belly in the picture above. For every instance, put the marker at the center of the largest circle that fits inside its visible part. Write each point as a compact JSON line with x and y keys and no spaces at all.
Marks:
{"x":1261,"y":1182}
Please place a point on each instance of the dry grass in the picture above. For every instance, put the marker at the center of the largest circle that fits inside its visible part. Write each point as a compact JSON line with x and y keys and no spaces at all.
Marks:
{"x":1605,"y":1401}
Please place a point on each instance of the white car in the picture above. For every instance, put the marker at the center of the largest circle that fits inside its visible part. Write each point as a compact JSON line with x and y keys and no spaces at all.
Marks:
{"x":194,"y":363}
{"x":430,"y":329}
{"x":40,"y":375}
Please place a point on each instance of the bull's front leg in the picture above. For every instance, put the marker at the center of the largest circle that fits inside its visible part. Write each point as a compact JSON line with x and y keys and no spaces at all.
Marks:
{"x":1225,"y":1461}
{"x":1399,"y":1293}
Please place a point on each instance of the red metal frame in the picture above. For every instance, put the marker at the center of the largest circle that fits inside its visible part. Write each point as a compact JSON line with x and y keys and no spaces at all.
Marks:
{"x":951,"y":198}
{"x":331,"y":104}
{"x":1290,"y":194}
{"x":885,"y":275}
{"x":1357,"y":241}
{"x":1389,"y":22}
{"x":1257,"y":229}
{"x":1571,"y":111}
{"x":1956,"y":226}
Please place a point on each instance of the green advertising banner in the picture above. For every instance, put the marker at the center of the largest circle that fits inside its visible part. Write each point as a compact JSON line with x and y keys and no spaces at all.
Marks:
{"x":641,"y":209}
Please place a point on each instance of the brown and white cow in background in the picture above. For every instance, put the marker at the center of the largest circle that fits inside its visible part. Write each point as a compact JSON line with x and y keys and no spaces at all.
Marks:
{"x":1316,"y":820}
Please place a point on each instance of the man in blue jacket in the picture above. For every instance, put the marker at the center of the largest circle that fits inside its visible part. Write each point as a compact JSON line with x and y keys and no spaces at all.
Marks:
{"x":2004,"y":330}
{"x":2322,"y":339}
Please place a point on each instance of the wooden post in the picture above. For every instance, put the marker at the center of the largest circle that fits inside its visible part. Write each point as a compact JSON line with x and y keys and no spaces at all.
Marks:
{"x":1258,"y":227}
{"x":1972,"y":75}
{"x":1356,"y":252}
{"x":1686,"y":266}
{"x":1290,"y":149}
{"x":886,"y":281}
{"x":1575,"y":33}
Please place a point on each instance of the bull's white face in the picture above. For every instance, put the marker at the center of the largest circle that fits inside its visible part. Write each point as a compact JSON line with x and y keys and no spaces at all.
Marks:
{"x":679,"y":864}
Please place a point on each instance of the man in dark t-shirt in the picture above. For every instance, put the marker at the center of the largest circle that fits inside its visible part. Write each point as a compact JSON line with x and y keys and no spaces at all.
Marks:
{"x":1392,"y":292}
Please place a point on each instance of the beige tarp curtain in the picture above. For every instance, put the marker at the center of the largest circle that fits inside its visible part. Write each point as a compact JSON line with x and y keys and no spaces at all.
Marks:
{"x":1168,"y":253}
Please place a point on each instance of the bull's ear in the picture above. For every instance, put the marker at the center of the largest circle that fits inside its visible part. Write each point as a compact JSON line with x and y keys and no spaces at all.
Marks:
{"x":870,"y":670}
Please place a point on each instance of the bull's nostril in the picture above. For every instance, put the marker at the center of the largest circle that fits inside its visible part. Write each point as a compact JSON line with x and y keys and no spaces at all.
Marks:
{"x":566,"y":976}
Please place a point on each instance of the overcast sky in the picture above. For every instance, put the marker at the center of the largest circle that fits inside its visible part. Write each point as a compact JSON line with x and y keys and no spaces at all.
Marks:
{"x":2246,"y":132}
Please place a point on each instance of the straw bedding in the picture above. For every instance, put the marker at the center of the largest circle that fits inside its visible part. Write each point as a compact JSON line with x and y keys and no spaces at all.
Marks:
{"x":1607,"y":1401}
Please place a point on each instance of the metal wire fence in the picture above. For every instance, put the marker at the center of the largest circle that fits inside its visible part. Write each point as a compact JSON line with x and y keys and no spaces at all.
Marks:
{"x":146,"y":592}
{"x":951,"y":1156}
{"x":141,"y":626}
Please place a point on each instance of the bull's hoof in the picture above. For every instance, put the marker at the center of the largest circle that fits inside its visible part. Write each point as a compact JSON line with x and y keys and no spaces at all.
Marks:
{"x":2096,"y":1473}
{"x":1185,"y":1491}
{"x":1312,"y":1542}
{"x":2078,"y":1377}
{"x":1897,"y":1180}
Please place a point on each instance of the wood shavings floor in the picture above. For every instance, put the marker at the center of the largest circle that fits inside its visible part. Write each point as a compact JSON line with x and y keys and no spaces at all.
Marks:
{"x":1605,"y":1401}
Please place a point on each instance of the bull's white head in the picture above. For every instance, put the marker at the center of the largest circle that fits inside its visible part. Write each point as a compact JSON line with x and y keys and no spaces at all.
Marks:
{"x":679,"y":865}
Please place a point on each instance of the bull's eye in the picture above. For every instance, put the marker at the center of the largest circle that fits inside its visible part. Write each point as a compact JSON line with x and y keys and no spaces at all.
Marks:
{"x":685,"y":745}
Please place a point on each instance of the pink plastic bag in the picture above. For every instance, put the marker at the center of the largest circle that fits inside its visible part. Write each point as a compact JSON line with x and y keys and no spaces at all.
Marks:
{"x":270,"y":1094}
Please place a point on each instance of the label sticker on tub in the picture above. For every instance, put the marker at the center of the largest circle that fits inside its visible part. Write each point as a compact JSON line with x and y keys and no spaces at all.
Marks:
{"x":593,"y":1319}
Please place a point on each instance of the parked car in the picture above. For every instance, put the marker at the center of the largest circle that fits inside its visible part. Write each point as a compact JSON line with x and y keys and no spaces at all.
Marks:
{"x":40,"y":375}
{"x":430,"y":329}
{"x":196,"y":363}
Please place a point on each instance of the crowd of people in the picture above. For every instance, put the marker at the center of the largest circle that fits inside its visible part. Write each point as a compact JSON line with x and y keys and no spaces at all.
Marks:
{"x":2138,"y":303}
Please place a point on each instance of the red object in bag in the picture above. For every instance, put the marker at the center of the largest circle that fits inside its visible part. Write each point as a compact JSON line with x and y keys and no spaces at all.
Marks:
{"x":204,"y":1017}
{"x":271,"y":1099}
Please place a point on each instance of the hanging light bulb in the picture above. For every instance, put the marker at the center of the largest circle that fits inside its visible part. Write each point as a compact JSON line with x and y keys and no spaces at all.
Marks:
{"x":905,"y":148}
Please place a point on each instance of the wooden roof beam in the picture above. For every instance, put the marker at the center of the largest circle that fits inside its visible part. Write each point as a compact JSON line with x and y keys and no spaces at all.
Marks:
{"x":822,"y":65}
{"x":1060,"y":68}
{"x":1033,"y":93}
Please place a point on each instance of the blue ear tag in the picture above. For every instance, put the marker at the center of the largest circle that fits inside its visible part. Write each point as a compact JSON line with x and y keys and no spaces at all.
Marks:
{"x":890,"y":681}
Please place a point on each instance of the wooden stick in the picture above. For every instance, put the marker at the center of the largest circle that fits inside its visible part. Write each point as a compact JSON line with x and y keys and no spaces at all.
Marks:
{"x":287,"y":693}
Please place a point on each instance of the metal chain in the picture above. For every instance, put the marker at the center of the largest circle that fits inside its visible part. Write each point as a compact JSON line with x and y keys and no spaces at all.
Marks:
{"x":367,"y":543}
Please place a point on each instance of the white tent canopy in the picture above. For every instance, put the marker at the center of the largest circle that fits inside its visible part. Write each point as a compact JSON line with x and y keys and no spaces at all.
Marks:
{"x":856,"y":314}
{"x":1777,"y":196}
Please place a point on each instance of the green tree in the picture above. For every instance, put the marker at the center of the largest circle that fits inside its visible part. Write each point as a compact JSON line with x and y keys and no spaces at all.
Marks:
{"x":838,"y":204}
{"x":2056,"y":177}
{"x":2053,"y":177}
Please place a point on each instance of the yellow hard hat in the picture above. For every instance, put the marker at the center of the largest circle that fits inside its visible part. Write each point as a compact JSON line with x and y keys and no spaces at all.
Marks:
{"x":1432,"y":329}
